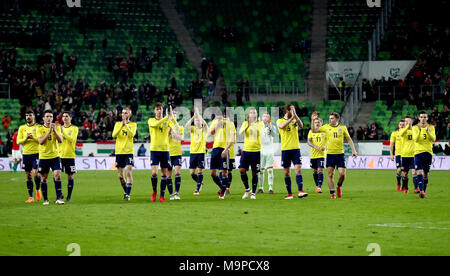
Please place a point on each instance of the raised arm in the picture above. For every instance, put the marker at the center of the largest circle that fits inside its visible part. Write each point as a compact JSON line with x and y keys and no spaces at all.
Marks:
{"x":116,"y":130}
{"x":20,"y":137}
{"x":431,"y":134}
{"x":282,"y":125}
{"x":57,"y":132}
{"x":43,"y":139}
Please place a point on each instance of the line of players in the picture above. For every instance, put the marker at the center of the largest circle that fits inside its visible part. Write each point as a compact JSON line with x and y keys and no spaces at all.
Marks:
{"x":165,"y":151}
{"x":45,"y":147}
{"x":52,"y":146}
{"x":412,"y":148}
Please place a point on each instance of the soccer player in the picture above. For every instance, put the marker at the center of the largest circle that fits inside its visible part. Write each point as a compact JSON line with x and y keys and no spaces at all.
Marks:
{"x":159,"y":147}
{"x":124,"y":133}
{"x":396,"y":150}
{"x":16,"y":154}
{"x":49,"y":135}
{"x":224,"y":133}
{"x":69,"y":133}
{"x":290,"y":149}
{"x":27,"y":136}
{"x":424,"y":136}
{"x":231,"y":164}
{"x":407,"y":153}
{"x":267,"y":152}
{"x":251,"y":156}
{"x":335,"y":134}
{"x":317,"y":142}
{"x":198,"y":133}
{"x":176,"y":135}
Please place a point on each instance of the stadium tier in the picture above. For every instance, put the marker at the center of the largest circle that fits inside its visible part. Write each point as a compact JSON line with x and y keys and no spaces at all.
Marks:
{"x":253,"y":39}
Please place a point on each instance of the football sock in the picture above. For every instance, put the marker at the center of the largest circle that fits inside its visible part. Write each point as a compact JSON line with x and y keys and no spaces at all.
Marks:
{"x":332,"y":192}
{"x":37,"y":182}
{"x":124,"y":185}
{"x":254,"y":182}
{"x":70,"y":187}
{"x":177,"y":183}
{"x":224,"y":183}
{"x":199,"y":180}
{"x":339,"y":184}
{"x":195,"y":177}
{"x":30,"y":187}
{"x":170,"y":185}
{"x":316,"y":176}
{"x":287,"y":181}
{"x":270,"y":178}
{"x":420,"y":182}
{"x":216,"y":180}
{"x":155,"y":183}
{"x":244,"y":178}
{"x":44,"y":190}
{"x":261,"y":179}
{"x":404,"y":182}
{"x":425,"y":183}
{"x":399,"y":178}
{"x":299,"y":180}
{"x":416,"y":185}
{"x":58,"y":189}
{"x":319,"y":180}
{"x":163,"y":185}
{"x":128,"y":186}
{"x":230,"y":178}
{"x":15,"y":166}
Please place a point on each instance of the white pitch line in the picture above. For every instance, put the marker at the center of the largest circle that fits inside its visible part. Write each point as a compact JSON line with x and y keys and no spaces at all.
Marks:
{"x":414,"y":225}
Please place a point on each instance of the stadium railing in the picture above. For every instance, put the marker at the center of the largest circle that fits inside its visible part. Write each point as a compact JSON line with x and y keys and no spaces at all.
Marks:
{"x":352,"y":100}
{"x":298,"y":87}
{"x":380,"y":27}
{"x":401,"y":92}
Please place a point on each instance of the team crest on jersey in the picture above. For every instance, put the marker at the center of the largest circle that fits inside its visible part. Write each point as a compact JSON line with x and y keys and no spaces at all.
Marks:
{"x":340,"y":130}
{"x":165,"y":124}
{"x":322,"y":134}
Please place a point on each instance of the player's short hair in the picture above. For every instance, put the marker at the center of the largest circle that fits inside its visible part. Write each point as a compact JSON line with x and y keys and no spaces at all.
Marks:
{"x":157,"y":105}
{"x":336,"y":115}
{"x":127,"y":108}
{"x":401,"y":121}
{"x":48,"y":111}
{"x":423,"y":112}
{"x":286,"y":108}
{"x":30,"y":112}
{"x":68,"y":113}
{"x":408,"y":117}
{"x":320,"y":120}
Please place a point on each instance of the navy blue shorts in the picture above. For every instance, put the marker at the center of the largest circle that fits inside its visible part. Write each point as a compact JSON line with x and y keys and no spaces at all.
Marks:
{"x":123,"y":160}
{"x":398,"y":161}
{"x":30,"y":162}
{"x":336,"y":160}
{"x":46,"y":164}
{"x":250,"y":159}
{"x":231,"y":164}
{"x":175,"y":161}
{"x":197,"y":160}
{"x":407,"y":163}
{"x":317,"y":163}
{"x":68,"y":165}
{"x":217,"y":162}
{"x":288,"y":156}
{"x":161,"y":158}
{"x":422,"y":161}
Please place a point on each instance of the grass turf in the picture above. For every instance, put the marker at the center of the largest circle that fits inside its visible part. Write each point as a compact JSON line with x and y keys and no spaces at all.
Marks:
{"x":97,"y":219}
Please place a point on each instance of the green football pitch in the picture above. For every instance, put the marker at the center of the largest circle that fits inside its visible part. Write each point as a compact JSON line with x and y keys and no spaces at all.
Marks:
{"x":371,"y":211}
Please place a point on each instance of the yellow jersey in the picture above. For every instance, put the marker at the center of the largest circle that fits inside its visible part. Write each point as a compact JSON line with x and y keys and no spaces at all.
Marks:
{"x":317,"y":139}
{"x":49,"y":149}
{"x":423,"y":140}
{"x":407,"y":142}
{"x":198,"y":140}
{"x":252,"y":135}
{"x":159,"y":133}
{"x":67,"y":147}
{"x":289,"y":135}
{"x":231,"y":150}
{"x":223,"y":134}
{"x":30,"y":146}
{"x":396,"y":139}
{"x":335,"y":138}
{"x":124,"y":135}
{"x":175,"y":145}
